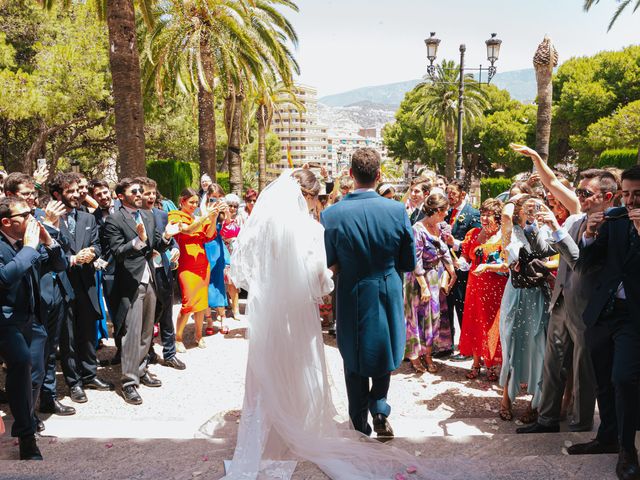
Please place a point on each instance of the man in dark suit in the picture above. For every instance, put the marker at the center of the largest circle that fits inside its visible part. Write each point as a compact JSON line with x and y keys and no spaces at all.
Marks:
{"x":369,"y":239}
{"x":164,"y":280}
{"x":612,"y":242}
{"x":101,"y":193}
{"x":462,"y":217}
{"x":25,"y":248}
{"x":54,"y":288}
{"x":78,"y":337}
{"x":132,"y":237}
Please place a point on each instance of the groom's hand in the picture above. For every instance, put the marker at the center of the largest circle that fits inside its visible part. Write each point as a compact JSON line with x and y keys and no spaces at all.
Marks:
{"x":335,"y":268}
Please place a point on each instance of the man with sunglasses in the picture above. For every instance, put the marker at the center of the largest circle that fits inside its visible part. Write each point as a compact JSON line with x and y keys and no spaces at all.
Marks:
{"x":132,"y":237}
{"x":26,"y":251}
{"x":566,"y":334}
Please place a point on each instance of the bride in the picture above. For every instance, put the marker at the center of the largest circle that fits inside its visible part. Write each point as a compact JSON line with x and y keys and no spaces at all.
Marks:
{"x":288,"y":413}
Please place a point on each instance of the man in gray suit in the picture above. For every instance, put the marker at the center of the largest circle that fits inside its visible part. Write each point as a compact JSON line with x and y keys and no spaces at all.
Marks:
{"x":566,"y":345}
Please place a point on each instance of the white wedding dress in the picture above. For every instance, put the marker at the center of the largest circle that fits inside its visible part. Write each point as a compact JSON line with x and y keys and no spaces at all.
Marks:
{"x":288,"y":413}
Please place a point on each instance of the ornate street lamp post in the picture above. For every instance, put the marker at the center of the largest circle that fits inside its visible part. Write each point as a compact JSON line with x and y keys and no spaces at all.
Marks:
{"x":493,"y":51}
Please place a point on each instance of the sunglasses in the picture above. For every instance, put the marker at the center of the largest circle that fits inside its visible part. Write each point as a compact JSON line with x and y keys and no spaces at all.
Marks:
{"x":584,"y":193}
{"x":136,"y":191}
{"x":24,"y":215}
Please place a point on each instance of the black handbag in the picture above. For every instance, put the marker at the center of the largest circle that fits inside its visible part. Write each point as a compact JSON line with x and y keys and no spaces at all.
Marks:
{"x":529,"y":271}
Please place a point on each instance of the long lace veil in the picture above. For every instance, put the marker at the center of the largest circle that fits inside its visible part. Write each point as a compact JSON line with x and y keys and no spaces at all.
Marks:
{"x":288,"y":412}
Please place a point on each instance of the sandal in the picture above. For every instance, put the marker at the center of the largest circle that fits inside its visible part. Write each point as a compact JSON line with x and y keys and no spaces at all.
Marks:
{"x":505,"y":413}
{"x":529,"y":416}
{"x":417,"y":365}
{"x":474,"y":372}
{"x":224,"y":329}
{"x":432,"y":368}
{"x":492,"y":374}
{"x":209,"y":331}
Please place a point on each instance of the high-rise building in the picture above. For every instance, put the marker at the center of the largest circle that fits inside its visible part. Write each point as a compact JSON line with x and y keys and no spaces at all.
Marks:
{"x":300,"y":133}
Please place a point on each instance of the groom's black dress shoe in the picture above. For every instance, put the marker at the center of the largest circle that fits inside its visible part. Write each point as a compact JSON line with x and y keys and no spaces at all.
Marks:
{"x":627,"y":467}
{"x":594,"y":447}
{"x":39,"y":424}
{"x":382,"y":427}
{"x":29,"y":448}
{"x":538,"y":428}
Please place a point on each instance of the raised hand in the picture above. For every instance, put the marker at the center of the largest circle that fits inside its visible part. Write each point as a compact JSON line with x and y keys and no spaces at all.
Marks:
{"x":45,"y":238}
{"x":142,"y":232}
{"x":634,"y":216}
{"x":32,"y":233}
{"x":594,"y":221}
{"x":172,"y":229}
{"x":53,"y":211}
{"x":41,"y":174}
{"x":546,"y":216}
{"x":524,"y":150}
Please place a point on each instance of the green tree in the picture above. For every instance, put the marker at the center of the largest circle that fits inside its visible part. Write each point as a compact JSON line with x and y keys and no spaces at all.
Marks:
{"x":617,"y":131}
{"x":56,"y":97}
{"x":438,"y":105}
{"x":622,"y":6}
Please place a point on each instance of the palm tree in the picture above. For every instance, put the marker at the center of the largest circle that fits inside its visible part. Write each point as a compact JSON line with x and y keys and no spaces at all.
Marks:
{"x":545,"y":58}
{"x":125,"y":72}
{"x":623,"y":4}
{"x":267,"y":99}
{"x":438,"y":106}
{"x":271,"y":33}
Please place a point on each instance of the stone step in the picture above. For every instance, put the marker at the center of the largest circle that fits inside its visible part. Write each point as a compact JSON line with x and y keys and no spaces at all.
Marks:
{"x":455,"y":458}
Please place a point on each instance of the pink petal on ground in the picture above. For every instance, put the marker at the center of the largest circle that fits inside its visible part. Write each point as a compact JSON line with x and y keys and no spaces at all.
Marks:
{"x":412,"y":469}
{"x":400,"y":476}
{"x":108,"y":445}
{"x":205,"y":458}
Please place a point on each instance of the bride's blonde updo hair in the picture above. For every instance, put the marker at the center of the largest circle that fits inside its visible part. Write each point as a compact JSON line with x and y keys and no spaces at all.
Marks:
{"x":434,"y":203}
{"x":309,"y":183}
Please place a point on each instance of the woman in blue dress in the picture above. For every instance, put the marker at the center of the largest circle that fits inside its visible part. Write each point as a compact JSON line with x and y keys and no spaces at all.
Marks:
{"x":523,"y":315}
{"x":218,"y":257}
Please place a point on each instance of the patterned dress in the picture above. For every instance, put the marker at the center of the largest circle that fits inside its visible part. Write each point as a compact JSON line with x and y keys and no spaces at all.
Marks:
{"x":428,"y":323}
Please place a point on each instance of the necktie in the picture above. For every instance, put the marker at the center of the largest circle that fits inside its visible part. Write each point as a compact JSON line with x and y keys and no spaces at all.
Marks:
{"x":71,"y":222}
{"x":454,"y":214}
{"x":137,"y":217}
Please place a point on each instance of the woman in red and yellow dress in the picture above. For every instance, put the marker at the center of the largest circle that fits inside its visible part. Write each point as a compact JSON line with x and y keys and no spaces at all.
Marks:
{"x":480,"y":335}
{"x":193,"y":267}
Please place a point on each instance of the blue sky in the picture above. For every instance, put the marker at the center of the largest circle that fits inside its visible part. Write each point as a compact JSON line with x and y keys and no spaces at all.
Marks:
{"x":346,"y":44}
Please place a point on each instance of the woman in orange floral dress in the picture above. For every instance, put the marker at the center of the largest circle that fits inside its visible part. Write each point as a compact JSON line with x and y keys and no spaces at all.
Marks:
{"x":193,"y":267}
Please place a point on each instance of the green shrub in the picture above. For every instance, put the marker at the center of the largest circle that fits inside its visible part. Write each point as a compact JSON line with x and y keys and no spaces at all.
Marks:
{"x":492,"y":187}
{"x":222,"y":179}
{"x":173,"y":176}
{"x":621,"y":158}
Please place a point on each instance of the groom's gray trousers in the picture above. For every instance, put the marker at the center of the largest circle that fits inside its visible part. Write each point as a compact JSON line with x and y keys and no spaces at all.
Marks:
{"x":566,"y":347}
{"x":364,"y":398}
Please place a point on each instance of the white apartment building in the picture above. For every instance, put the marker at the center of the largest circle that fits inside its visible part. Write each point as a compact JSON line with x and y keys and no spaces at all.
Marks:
{"x":301,"y":132}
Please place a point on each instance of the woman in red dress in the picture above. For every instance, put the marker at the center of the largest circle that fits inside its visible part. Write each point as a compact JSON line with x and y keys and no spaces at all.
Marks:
{"x":480,"y":335}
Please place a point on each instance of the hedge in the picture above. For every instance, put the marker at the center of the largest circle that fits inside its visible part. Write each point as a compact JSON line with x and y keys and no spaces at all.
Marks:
{"x":621,"y":158}
{"x":492,"y":187}
{"x":173,"y":176}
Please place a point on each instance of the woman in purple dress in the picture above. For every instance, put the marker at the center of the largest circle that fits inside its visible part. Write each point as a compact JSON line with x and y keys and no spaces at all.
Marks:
{"x":426,"y":288}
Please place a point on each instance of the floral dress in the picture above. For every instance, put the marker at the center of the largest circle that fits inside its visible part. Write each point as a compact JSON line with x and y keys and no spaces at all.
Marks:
{"x":428,"y":323}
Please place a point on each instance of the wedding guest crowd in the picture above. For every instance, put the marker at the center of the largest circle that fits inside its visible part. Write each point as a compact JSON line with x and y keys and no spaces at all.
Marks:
{"x":543,"y":286}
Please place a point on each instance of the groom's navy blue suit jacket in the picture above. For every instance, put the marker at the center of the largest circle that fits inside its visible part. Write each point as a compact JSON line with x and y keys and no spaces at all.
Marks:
{"x":370,"y":238}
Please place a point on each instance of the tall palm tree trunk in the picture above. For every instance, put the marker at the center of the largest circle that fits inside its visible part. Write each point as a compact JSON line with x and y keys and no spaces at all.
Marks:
{"x":127,"y":93}
{"x":450,"y":151}
{"x":262,"y":147}
{"x":545,"y":58}
{"x":206,"y":113}
{"x":233,"y":120}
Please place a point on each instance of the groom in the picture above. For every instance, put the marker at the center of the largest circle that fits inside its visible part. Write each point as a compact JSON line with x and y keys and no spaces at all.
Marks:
{"x":369,"y":240}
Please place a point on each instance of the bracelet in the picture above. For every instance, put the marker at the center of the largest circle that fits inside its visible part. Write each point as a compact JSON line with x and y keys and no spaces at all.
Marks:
{"x":38,"y":186}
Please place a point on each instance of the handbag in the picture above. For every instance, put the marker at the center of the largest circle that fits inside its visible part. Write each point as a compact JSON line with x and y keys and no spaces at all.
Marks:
{"x":529,"y":271}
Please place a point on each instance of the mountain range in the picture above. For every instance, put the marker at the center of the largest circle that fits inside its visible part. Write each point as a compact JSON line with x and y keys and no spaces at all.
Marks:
{"x":521,"y":84}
